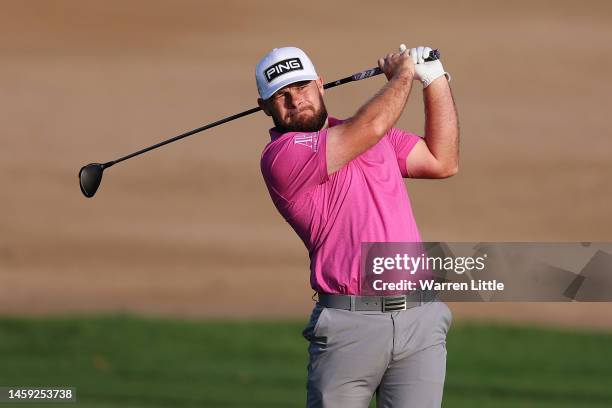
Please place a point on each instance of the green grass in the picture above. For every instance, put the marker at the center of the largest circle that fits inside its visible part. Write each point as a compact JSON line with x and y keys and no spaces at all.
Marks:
{"x":122,"y":361}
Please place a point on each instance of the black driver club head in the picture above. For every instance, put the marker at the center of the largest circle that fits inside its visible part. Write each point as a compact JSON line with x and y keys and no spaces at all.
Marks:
{"x":90,"y":177}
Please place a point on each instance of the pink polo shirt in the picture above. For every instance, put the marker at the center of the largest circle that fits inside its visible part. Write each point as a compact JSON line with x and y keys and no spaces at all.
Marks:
{"x":364,"y":201}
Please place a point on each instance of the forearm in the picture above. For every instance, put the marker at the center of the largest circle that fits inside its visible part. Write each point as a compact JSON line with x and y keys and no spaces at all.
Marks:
{"x":383,"y":110}
{"x":375,"y":117}
{"x":441,"y":124}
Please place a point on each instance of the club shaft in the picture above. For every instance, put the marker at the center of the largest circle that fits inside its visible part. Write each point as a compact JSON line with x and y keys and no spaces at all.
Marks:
{"x":368,"y":73}
{"x":355,"y":77}
{"x":181,"y":136}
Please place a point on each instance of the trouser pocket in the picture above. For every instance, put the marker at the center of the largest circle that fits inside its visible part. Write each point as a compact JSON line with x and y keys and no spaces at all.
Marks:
{"x":447,"y":315}
{"x":312,"y":331}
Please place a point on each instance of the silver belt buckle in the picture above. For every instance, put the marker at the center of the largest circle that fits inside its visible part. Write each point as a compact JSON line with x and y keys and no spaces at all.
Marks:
{"x":394,"y":303}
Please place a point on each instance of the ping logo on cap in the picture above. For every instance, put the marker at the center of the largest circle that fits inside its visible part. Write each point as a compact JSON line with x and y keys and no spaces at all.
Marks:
{"x":282,"y":67}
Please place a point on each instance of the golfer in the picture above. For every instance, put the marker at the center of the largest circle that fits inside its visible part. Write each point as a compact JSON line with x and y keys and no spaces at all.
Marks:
{"x":339,"y":183}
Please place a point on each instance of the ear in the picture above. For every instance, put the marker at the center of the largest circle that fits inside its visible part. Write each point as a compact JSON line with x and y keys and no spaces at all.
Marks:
{"x":262,"y":104}
{"x":319,"y":82}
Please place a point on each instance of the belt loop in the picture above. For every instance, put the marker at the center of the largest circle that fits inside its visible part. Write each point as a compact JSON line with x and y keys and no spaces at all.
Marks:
{"x":352,"y":298}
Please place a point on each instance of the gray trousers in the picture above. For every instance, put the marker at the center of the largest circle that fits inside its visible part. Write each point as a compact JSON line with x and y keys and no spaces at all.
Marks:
{"x":400,"y":355}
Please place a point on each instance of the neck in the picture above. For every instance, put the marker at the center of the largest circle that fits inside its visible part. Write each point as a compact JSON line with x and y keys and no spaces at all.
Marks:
{"x":326,"y":124}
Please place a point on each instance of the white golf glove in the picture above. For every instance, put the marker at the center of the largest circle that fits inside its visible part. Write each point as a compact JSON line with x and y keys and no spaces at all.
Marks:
{"x":425,"y":71}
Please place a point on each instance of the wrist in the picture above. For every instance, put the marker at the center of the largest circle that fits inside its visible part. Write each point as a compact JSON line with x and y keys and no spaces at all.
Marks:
{"x":440,"y":82}
{"x":405,"y":78}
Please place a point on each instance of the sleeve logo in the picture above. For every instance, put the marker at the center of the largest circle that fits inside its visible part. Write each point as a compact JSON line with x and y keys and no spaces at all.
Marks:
{"x":309,"y":140}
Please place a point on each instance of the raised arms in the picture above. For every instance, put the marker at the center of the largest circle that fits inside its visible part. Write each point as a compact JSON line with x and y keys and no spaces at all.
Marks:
{"x":357,"y":134}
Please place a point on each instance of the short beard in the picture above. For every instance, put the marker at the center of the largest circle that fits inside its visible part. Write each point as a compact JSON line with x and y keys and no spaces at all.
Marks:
{"x":312,"y":124}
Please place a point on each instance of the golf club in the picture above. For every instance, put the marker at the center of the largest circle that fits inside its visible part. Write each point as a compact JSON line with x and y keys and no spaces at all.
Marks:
{"x":90,"y":176}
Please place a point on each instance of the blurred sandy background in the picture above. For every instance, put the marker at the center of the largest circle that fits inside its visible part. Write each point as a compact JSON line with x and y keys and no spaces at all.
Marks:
{"x":190,"y":230}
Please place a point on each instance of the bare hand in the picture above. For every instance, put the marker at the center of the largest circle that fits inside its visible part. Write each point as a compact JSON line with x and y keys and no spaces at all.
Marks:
{"x":398,"y":65}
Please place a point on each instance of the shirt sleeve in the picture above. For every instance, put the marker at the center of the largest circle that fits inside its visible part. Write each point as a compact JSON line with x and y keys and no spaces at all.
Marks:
{"x":402,"y":143}
{"x":295,"y":163}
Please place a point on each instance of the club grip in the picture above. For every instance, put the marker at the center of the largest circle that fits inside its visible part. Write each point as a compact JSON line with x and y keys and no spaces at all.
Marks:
{"x":433,"y":56}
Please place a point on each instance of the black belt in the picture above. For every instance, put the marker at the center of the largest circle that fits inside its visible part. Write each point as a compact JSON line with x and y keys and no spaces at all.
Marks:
{"x":375,"y":303}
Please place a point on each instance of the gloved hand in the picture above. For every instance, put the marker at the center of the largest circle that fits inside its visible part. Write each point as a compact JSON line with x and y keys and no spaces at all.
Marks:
{"x":425,"y":71}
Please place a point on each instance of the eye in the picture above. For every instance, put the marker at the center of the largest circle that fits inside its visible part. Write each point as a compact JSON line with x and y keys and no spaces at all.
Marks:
{"x":278,"y":96}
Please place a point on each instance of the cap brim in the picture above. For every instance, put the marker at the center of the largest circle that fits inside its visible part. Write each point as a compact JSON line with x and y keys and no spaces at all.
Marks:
{"x":288,"y":81}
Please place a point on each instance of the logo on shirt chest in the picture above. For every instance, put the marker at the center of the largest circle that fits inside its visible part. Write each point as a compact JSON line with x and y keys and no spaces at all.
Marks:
{"x":307,"y":139}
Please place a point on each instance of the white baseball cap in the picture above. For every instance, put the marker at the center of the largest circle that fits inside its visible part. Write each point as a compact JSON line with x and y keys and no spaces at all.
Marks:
{"x":281,"y":67}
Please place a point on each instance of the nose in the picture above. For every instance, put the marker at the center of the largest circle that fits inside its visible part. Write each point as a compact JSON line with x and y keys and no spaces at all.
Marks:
{"x":295,"y":99}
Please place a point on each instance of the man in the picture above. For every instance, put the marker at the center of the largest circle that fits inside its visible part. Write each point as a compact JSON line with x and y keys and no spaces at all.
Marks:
{"x":338,"y":184}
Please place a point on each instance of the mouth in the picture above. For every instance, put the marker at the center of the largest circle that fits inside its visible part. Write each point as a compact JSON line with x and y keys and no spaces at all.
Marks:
{"x":302,"y":111}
